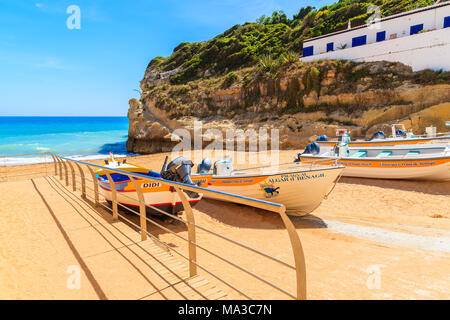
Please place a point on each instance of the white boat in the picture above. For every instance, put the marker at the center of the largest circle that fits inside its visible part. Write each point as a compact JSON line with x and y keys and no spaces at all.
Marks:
{"x":300,"y":188}
{"x":399,"y":136}
{"x":417,"y":162}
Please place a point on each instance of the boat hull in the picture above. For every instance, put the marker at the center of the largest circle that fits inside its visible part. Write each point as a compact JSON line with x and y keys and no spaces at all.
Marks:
{"x":301,"y":192}
{"x":387,"y":142}
{"x":155,"y":194}
{"x":437,"y":169}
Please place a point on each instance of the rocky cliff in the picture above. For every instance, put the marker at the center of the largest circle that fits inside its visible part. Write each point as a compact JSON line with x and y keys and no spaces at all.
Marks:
{"x":302,"y":100}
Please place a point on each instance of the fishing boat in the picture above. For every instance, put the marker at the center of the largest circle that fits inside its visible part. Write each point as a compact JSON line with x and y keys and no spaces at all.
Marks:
{"x":416,"y":162}
{"x":156,"y":194}
{"x":301,"y":188}
{"x":399,"y":136}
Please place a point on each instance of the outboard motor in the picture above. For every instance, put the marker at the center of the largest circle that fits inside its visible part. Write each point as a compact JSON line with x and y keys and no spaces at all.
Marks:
{"x":400,"y":133}
{"x":223,"y":167}
{"x":312,"y":148}
{"x":204,"y":166}
{"x":322,"y":138}
{"x":378,"y":135}
{"x":179,"y":170}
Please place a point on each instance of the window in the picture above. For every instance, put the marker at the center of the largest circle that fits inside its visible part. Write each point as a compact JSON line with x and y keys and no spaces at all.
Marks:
{"x":330,"y":46}
{"x":308,"y":51}
{"x":359,"y":41}
{"x":415,"y":29}
{"x":447,"y":22}
{"x":381,"y":36}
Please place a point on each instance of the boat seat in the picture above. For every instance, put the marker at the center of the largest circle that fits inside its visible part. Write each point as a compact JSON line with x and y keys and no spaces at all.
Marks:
{"x":384,"y":154}
{"x":358,"y":154}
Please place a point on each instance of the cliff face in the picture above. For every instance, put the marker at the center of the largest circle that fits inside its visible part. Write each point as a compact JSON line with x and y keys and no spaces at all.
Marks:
{"x":302,"y":100}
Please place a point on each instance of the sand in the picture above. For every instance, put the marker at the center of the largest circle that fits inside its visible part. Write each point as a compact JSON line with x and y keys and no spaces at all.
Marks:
{"x":371,"y":239}
{"x":55,"y":235}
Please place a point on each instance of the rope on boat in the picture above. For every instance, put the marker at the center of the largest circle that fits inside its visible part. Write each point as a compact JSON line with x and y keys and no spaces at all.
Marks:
{"x":334,"y":185}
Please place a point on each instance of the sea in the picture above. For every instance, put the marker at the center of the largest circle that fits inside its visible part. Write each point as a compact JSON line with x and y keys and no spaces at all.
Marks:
{"x":81,"y":138}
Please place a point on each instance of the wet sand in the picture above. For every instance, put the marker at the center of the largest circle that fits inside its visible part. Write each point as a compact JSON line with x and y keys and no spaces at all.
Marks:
{"x":371,"y":239}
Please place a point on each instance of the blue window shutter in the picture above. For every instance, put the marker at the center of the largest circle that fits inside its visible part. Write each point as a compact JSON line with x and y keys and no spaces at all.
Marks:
{"x":330,"y":46}
{"x":447,"y":22}
{"x":381,"y":36}
{"x":308,"y":51}
{"x":359,"y":41}
{"x":415,"y":29}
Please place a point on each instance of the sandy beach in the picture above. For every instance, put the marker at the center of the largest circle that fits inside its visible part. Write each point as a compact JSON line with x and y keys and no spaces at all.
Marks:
{"x":397,"y":230}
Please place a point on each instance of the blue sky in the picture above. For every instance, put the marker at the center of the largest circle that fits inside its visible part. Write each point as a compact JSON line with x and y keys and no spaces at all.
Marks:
{"x":47,"y":69}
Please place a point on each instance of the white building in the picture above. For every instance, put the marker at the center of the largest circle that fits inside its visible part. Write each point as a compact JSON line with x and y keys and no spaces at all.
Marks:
{"x":419,"y":38}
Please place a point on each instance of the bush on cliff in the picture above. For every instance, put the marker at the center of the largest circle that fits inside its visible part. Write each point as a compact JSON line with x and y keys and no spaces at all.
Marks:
{"x":229,"y":80}
{"x":243,"y":45}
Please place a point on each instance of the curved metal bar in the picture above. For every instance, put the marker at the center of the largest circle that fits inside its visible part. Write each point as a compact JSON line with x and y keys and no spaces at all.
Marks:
{"x":94,"y":180}
{"x":169,"y":248}
{"x":191,"y":232}
{"x":55,"y":163}
{"x":274,"y":207}
{"x":72,"y":171}
{"x":299,"y":256}
{"x":60,"y":167}
{"x":113,"y":196}
{"x":142,"y":208}
{"x":83,"y":181}
{"x":3,"y":173}
{"x":66,"y":172}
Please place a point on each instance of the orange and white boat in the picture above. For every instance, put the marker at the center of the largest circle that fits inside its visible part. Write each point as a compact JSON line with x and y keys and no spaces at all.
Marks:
{"x":300,"y":188}
{"x":399,"y":136}
{"x":156,"y":194}
{"x":417,"y":162}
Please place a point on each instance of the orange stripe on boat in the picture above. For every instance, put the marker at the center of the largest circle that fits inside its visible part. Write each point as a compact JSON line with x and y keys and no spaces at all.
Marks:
{"x":234,"y":181}
{"x":382,"y":163}
{"x":385,"y":142}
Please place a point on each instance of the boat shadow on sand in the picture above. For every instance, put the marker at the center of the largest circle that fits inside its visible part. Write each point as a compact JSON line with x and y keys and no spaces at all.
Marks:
{"x":243,"y":216}
{"x":429,"y":187}
{"x":228,"y":214}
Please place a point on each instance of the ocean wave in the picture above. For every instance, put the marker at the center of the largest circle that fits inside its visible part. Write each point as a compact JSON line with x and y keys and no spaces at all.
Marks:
{"x":43,"y":149}
{"x":19,"y":161}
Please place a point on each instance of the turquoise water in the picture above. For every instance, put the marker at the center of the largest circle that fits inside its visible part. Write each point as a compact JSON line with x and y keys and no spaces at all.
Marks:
{"x":82,"y":137}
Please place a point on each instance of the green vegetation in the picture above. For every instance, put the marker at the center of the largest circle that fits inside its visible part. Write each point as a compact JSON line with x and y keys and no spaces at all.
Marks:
{"x":311,"y":80}
{"x":289,"y":57}
{"x":179,"y":90}
{"x":267,"y":63}
{"x":276,"y":36}
{"x":260,"y":61}
{"x":358,"y":74}
{"x":329,"y":120}
{"x":428,"y":76}
{"x":230,"y":78}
